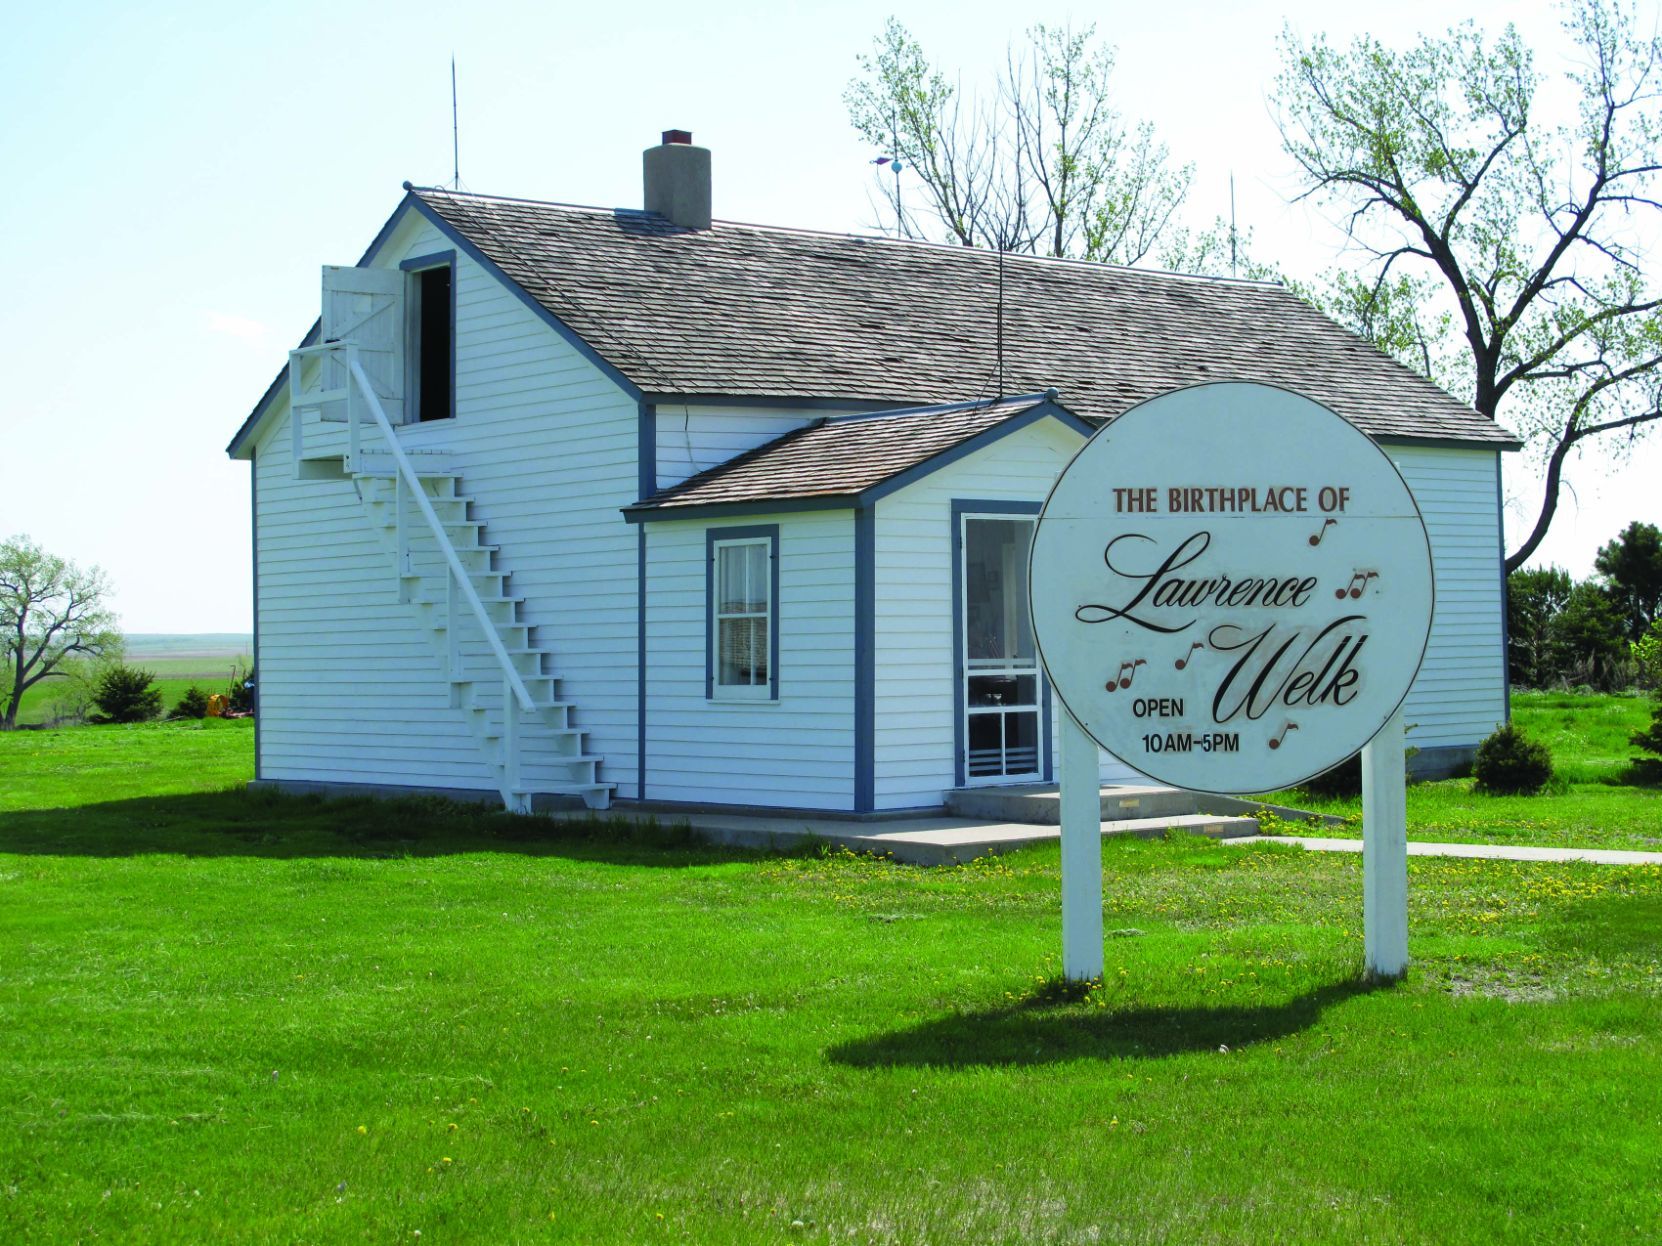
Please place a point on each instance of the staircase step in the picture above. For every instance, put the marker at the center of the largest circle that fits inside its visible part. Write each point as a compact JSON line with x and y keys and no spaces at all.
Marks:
{"x":1214,"y":826}
{"x":1040,"y":803}
{"x":593,"y":795}
{"x":554,"y":776}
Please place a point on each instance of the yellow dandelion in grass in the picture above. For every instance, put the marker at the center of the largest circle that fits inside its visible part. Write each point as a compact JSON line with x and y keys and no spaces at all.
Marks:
{"x":363,"y":1129}
{"x":446,"y":1160}
{"x":451,"y":1126}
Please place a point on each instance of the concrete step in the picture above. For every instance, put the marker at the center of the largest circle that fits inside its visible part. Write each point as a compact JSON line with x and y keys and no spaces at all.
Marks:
{"x":1041,"y":804}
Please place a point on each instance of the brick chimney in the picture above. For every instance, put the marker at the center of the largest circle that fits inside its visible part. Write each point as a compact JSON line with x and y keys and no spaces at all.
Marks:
{"x":676,"y":176}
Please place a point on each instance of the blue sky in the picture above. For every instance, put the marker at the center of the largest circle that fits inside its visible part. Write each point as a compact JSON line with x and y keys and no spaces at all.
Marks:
{"x":179,"y":173}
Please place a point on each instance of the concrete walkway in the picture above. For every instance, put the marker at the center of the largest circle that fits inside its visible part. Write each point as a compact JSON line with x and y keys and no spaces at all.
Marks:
{"x":946,"y":840}
{"x":1482,"y":852}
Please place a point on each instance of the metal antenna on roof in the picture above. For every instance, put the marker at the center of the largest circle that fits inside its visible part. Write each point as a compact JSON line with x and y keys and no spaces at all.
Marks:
{"x":455,"y":131}
{"x":1232,"y":222}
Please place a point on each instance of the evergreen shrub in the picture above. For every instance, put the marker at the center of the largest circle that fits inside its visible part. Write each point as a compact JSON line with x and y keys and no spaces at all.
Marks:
{"x":127,"y":694}
{"x":193,"y":704}
{"x":1509,"y":763}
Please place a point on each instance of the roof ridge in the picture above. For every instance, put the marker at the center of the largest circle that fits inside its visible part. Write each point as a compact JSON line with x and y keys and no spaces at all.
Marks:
{"x":803,"y":231}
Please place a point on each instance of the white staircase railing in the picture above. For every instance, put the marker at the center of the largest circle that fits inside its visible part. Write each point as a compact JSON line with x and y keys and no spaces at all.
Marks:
{"x":356,"y":390}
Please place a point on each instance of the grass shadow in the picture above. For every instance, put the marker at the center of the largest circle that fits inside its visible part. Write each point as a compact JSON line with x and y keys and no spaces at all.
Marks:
{"x":1040,"y":1030}
{"x":239,"y":822}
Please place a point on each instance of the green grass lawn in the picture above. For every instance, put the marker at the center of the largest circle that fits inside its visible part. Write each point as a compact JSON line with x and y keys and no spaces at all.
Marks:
{"x":1598,"y":802}
{"x":244,"y":1018}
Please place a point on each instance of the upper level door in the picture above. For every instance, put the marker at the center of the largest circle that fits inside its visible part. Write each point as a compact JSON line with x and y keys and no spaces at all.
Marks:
{"x":366,"y":306}
{"x":1003,"y":695}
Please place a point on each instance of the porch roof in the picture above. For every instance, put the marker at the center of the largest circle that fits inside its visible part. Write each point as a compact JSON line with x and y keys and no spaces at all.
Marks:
{"x":851,"y":460}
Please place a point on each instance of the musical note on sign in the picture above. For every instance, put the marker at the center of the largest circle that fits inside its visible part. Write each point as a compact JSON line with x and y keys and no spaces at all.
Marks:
{"x":1358,"y":582}
{"x":1326,"y":524}
{"x":1276,"y":741}
{"x":1184,"y":660}
{"x":1123,"y":677}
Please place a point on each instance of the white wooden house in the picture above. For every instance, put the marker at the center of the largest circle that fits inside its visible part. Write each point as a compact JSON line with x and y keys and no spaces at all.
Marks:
{"x":705,"y":513}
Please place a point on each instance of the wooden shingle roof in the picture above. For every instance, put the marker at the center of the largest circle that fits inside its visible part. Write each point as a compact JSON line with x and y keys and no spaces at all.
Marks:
{"x":847,"y":459}
{"x":754,"y":312}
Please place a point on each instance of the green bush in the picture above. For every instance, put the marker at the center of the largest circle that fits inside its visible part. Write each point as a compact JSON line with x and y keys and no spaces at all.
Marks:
{"x":1510,"y":763}
{"x":193,"y":704}
{"x":126,"y":694}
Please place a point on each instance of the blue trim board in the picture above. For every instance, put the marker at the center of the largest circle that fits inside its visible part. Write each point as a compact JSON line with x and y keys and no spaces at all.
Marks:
{"x":254,"y":539}
{"x":640,"y":664}
{"x":646,"y":450}
{"x":434,"y":259}
{"x":865,"y":659}
{"x":752,"y":532}
{"x":980,"y":506}
{"x":720,"y":510}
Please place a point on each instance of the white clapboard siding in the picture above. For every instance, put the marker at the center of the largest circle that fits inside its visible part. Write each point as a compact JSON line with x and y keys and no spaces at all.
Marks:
{"x":915,"y":739}
{"x":691,"y":439}
{"x":1460,"y":695}
{"x":795,"y":753}
{"x":545,"y":445}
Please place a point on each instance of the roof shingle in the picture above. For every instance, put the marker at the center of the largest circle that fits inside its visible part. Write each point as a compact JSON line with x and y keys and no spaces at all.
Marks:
{"x":757,"y":312}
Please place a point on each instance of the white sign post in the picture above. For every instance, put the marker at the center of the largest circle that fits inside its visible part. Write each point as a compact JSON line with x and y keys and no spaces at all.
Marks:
{"x":1232,"y":591}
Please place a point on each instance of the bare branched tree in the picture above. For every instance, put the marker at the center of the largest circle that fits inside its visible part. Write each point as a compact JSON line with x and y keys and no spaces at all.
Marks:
{"x":1044,"y":164}
{"x":50,"y":610}
{"x":1501,"y":256}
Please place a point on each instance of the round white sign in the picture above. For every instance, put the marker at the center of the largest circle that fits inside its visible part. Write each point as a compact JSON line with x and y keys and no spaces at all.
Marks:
{"x":1231,"y":588}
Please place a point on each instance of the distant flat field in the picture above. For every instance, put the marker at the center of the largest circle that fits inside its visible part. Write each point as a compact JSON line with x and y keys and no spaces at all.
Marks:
{"x":149,"y":648}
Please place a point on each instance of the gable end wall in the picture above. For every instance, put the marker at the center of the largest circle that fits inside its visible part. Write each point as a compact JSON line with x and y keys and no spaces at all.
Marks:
{"x":546,"y":446}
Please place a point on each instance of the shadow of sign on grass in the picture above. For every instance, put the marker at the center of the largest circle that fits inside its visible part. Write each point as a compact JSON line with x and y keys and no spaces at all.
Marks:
{"x":1038,"y":1031}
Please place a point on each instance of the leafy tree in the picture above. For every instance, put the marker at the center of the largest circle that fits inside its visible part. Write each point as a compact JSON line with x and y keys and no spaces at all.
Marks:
{"x":126,"y":694}
{"x":1533,"y":600}
{"x":1647,"y":657}
{"x":1587,"y":635}
{"x":50,"y":610}
{"x":1501,"y":255}
{"x":1633,"y":565}
{"x":1046,"y":166}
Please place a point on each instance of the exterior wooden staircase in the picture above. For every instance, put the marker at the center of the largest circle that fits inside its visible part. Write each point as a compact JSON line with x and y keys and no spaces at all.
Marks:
{"x":499,"y":678}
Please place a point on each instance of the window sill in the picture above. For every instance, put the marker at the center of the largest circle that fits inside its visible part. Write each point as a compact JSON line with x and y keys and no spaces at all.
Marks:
{"x":741,"y":702}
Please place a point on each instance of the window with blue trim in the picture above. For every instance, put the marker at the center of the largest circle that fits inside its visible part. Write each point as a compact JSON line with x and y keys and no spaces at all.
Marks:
{"x":742,"y":585}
